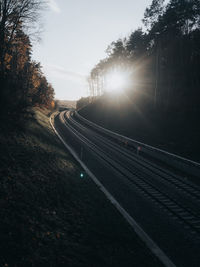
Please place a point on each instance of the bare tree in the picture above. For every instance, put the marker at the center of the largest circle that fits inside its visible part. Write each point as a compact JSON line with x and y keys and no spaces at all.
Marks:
{"x":15,"y":14}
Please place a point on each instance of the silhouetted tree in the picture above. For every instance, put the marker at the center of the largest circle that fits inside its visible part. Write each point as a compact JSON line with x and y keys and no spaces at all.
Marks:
{"x":15,"y":14}
{"x":22,"y":83}
{"x":165,"y":60}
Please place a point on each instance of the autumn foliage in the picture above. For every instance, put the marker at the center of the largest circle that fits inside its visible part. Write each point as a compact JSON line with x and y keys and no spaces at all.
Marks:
{"x":22,"y":82}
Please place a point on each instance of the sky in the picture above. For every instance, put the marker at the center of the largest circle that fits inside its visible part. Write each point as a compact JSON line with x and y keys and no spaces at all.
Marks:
{"x":75,"y":35}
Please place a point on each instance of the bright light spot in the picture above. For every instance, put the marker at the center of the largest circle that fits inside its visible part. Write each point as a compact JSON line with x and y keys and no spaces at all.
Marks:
{"x":117,"y":81}
{"x":81,"y":175}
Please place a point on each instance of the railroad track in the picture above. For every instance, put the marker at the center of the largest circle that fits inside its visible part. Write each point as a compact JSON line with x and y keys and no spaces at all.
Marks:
{"x":135,"y":171}
{"x":176,"y":196}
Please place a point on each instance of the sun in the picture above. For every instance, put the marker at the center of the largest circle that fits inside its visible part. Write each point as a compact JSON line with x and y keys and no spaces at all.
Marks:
{"x":116,"y":81}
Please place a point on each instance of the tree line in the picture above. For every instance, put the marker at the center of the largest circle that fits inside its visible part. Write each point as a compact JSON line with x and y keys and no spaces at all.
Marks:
{"x":163,"y":59}
{"x":22,"y":82}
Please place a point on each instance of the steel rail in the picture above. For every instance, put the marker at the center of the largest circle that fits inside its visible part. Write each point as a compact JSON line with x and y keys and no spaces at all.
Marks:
{"x":178,"y":162}
{"x":182,"y":213}
{"x":182,"y":184}
{"x":139,"y":231}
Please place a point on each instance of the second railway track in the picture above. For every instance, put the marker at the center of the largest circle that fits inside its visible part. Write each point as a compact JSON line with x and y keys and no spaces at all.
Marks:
{"x":177,"y":197}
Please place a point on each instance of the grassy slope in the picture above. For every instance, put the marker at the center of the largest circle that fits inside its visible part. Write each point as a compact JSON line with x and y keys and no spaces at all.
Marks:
{"x":51,"y":217}
{"x":172,"y":131}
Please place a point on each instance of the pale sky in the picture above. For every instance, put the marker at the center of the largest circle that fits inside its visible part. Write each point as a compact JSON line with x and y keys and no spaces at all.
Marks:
{"x":75,"y":36}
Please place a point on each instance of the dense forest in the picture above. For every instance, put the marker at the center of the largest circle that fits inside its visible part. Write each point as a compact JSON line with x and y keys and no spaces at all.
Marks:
{"x":163,"y":59}
{"x":22,"y":82}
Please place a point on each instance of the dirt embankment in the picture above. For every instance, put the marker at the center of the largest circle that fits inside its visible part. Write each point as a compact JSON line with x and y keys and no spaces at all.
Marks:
{"x":171,"y":130}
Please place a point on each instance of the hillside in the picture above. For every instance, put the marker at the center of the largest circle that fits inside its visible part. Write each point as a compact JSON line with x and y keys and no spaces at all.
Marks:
{"x":175,"y":131}
{"x":52,"y":217}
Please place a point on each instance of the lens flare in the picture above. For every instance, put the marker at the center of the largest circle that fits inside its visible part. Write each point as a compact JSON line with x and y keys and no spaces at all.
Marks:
{"x":116,"y":81}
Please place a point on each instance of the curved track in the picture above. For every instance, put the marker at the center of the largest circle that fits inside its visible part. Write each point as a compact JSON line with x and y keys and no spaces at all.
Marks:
{"x":170,"y":203}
